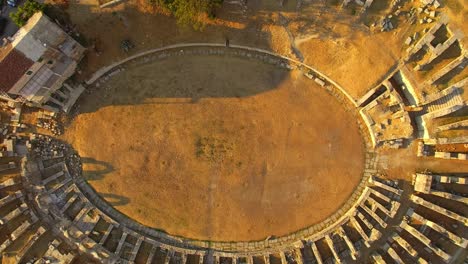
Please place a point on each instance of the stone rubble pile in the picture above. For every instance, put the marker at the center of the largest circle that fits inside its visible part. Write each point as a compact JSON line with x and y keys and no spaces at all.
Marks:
{"x":74,"y":165}
{"x":52,"y":125}
{"x":47,"y":148}
{"x":386,"y":24}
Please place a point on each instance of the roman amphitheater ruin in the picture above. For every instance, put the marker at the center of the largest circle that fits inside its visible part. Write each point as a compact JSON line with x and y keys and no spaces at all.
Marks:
{"x":222,"y":153}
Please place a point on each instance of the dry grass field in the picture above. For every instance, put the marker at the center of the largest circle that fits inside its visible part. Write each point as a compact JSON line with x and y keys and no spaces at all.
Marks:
{"x":218,"y":148}
{"x":326,"y":36}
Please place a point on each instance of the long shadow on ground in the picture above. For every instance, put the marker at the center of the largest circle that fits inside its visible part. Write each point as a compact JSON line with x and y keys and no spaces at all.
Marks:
{"x":95,"y":174}
{"x":184,"y":79}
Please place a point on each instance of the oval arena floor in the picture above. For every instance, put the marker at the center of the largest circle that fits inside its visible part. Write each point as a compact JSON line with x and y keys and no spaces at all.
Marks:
{"x":259,"y":152}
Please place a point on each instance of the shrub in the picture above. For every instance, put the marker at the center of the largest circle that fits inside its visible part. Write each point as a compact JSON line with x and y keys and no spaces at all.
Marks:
{"x":26,"y":11}
{"x":190,"y":12}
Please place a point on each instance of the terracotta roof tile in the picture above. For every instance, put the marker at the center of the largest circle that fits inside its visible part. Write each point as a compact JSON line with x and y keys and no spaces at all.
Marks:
{"x":13,"y":64}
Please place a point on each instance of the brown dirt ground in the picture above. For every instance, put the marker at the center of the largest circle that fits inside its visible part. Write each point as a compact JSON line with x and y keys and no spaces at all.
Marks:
{"x":457,"y":11}
{"x":329,"y":38}
{"x":234,"y":150}
{"x":357,"y":64}
{"x":403,"y":163}
{"x":332,"y":40}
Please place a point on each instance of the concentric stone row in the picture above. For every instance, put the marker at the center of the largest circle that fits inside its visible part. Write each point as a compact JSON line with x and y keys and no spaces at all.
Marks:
{"x":386,"y":224}
{"x":87,"y":227}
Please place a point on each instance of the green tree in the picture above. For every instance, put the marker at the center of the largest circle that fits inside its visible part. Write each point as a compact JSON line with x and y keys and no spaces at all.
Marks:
{"x":26,"y":11}
{"x":190,"y":12}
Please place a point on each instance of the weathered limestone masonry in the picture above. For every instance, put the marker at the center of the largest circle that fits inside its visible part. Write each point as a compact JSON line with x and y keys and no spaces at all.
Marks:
{"x":434,"y":43}
{"x":378,"y":202}
{"x":377,"y":258}
{"x":420,"y":201}
{"x":453,"y":90}
{"x":426,"y":183}
{"x":364,"y":3}
{"x":428,"y":224}
{"x":386,"y":119}
{"x":440,"y":93}
{"x":427,"y":38}
{"x":440,"y":104}
{"x":444,"y":106}
{"x":380,"y":221}
{"x":455,"y":125}
{"x":36,"y":236}
{"x":391,"y":252}
{"x":425,"y":240}
{"x":460,"y":62}
{"x":21,"y":221}
{"x":74,"y":210}
{"x":440,"y":48}
{"x":456,"y":239}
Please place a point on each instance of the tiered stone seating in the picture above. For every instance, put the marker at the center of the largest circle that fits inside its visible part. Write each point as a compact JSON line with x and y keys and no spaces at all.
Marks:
{"x":13,"y":214}
{"x":30,"y":244}
{"x":458,"y":240}
{"x":445,"y":105}
{"x":460,"y":61}
{"x":377,"y":258}
{"x":377,"y":203}
{"x":424,"y":184}
{"x":423,"y":233}
{"x":454,"y":125}
{"x":66,"y":205}
{"x":7,"y":183}
{"x":420,"y":201}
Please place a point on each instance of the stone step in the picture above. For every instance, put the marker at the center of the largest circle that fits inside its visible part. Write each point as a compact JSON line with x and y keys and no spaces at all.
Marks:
{"x":425,"y":240}
{"x":420,"y":201}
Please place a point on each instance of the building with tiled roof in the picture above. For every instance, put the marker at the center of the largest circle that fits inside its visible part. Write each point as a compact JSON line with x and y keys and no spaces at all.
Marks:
{"x":13,"y":65}
{"x":37,"y":62}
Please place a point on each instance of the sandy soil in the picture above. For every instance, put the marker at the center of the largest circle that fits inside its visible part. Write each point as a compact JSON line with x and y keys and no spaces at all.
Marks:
{"x":358,"y":64}
{"x":403,"y":163}
{"x":457,"y":11}
{"x":327,"y":37}
{"x":218,"y":148}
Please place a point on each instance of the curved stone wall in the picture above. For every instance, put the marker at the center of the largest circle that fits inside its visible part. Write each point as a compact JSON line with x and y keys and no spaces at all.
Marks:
{"x":254,"y":54}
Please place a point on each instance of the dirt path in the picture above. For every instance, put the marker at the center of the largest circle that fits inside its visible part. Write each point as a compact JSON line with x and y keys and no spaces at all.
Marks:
{"x":403,"y":163}
{"x":218,"y":148}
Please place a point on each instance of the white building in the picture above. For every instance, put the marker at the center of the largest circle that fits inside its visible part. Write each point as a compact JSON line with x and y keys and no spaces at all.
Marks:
{"x":36,"y":63}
